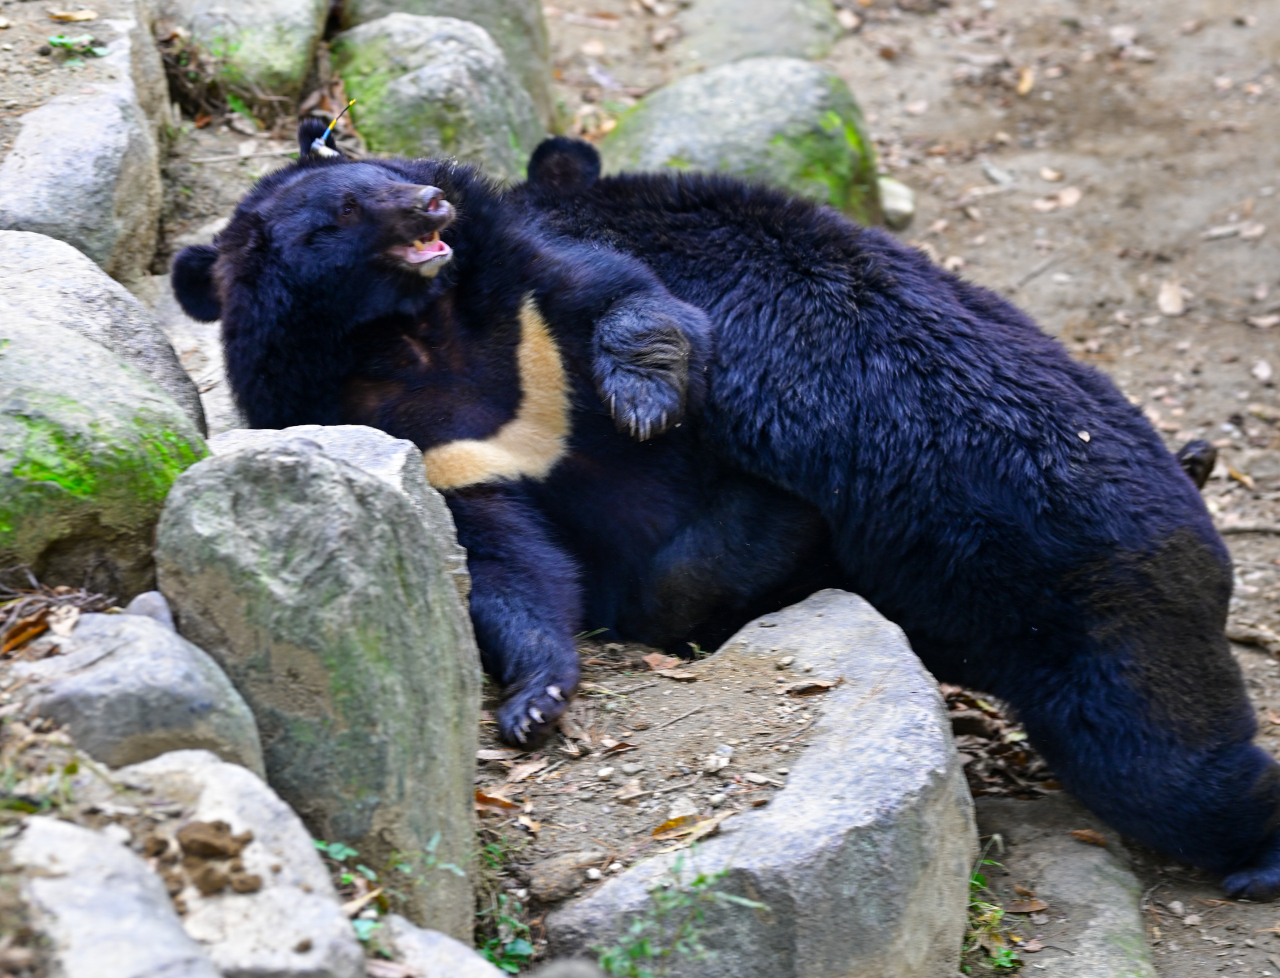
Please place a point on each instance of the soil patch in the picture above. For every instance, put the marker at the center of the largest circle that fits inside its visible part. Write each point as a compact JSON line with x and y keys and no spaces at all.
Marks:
{"x":640,"y":758}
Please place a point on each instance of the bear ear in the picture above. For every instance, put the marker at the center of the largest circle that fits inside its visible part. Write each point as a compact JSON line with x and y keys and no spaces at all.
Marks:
{"x":562,"y":165}
{"x":309,"y":131}
{"x":193,"y":284}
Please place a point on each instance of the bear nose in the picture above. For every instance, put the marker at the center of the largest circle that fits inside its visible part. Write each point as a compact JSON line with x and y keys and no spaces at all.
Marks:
{"x":430,"y":199}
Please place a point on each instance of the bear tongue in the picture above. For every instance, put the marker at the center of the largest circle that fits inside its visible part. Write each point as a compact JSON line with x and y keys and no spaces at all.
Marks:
{"x":415,"y":255}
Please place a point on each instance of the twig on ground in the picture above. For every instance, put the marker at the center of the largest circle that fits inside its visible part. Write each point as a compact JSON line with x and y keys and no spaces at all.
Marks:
{"x":682,"y":716}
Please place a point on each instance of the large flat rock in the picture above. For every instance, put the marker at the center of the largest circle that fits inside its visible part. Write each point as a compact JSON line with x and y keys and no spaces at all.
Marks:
{"x":1093,"y":895}
{"x":96,"y":186}
{"x":128,"y":689}
{"x":320,"y":591}
{"x":780,"y":121}
{"x":716,"y":32}
{"x":100,"y":910}
{"x":395,"y":461}
{"x":89,"y":447}
{"x":43,"y":280}
{"x":863,"y":858}
{"x":291,"y":925}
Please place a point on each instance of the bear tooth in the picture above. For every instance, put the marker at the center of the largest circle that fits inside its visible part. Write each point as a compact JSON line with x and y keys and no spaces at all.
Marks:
{"x":419,"y":244}
{"x":435,"y":236}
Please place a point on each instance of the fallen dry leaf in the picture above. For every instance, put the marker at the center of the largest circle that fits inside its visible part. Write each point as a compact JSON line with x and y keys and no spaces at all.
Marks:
{"x":631,"y":790}
{"x":1065,"y":198}
{"x":63,"y":619}
{"x":657,"y":661}
{"x":353,"y":907}
{"x":1027,"y":906}
{"x":1030,"y":947}
{"x":527,"y":823}
{"x":573,"y":730}
{"x":378,"y":968}
{"x":1091,"y":836}
{"x":522,"y":771}
{"x":810,"y":687}
{"x":1050,"y":175}
{"x":1243,"y":478}
{"x":680,"y":676}
{"x":73,"y":16}
{"x":617,"y":746}
{"x":506,"y":754}
{"x":1022,"y":891}
{"x":1026,"y":80}
{"x":494,"y":801}
{"x":1264,"y":322}
{"x":673,"y":828}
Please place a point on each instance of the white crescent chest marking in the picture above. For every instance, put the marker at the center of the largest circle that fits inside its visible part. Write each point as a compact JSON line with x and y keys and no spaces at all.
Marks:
{"x":531,"y":443}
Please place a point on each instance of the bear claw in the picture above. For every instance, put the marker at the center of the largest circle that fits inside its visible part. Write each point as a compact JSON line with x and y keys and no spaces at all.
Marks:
{"x":555,"y":694}
{"x":536,"y":714}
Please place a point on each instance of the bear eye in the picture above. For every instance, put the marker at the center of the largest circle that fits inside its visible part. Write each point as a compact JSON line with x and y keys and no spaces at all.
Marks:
{"x":348,"y":208}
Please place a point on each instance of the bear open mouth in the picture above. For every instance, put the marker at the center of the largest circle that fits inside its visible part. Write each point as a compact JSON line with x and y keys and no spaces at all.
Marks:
{"x":423,"y":250}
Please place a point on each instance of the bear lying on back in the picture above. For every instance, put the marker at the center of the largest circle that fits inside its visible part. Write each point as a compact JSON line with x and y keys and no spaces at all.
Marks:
{"x":1000,"y":501}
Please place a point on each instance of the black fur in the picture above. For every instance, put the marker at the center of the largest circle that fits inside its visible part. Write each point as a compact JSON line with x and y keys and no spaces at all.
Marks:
{"x":1000,"y":501}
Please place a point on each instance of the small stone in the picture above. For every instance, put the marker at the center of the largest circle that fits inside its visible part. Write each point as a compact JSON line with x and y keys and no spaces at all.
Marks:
{"x":594,"y":874}
{"x":553,"y":879}
{"x":615,"y":867}
{"x":718,"y":799}
{"x":605,"y":773}
{"x":118,"y":833}
{"x":212,"y":840}
{"x":632,"y":768}
{"x":785,"y":661}
{"x":210,"y":879}
{"x":715,"y":762}
{"x":681,"y":806}
{"x":784,"y":770}
{"x":897,"y":202}
{"x":246,"y":882}
{"x":303,"y":946}
{"x":808,"y":668}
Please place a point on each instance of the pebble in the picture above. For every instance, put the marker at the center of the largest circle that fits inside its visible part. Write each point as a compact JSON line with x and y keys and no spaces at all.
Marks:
{"x":615,"y":867}
{"x":632,"y":768}
{"x":718,"y":799}
{"x":522,"y":894}
{"x":783,"y":770}
{"x":786,"y":661}
{"x":605,"y":773}
{"x":594,"y":874}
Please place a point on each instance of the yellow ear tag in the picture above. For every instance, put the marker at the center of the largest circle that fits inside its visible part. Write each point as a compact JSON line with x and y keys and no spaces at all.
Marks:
{"x":318,"y":147}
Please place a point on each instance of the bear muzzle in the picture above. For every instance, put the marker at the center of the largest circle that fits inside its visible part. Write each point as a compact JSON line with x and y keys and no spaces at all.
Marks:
{"x":422,"y":214}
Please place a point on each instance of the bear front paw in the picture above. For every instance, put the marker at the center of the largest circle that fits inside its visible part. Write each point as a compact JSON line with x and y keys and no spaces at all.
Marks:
{"x":643,"y":403}
{"x":529,"y":715}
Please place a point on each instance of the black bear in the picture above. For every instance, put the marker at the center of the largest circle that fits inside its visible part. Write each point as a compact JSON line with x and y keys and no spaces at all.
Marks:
{"x":1000,"y":501}
{"x":812,"y":404}
{"x":410,"y":296}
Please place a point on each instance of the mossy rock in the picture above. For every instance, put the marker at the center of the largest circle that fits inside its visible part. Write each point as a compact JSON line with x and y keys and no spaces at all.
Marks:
{"x":89,"y":447}
{"x":780,"y":121}
{"x":518,"y":27}
{"x":716,"y":32}
{"x":437,"y":87}
{"x":265,"y":45}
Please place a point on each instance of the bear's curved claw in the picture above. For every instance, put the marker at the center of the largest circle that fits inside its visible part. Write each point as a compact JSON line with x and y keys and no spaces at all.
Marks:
{"x":532,"y":709}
